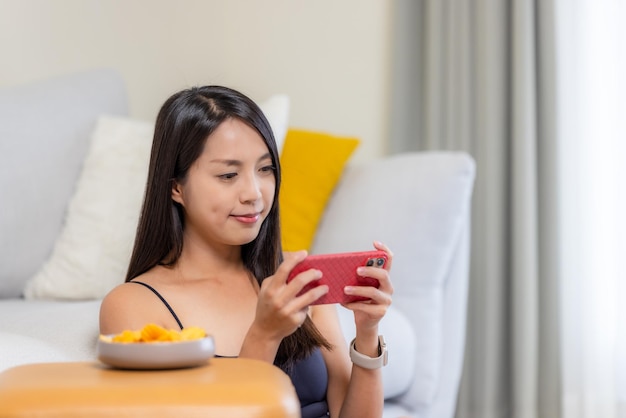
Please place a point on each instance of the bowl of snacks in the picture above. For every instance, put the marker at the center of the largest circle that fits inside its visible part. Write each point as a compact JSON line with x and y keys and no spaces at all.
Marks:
{"x":154,"y":347}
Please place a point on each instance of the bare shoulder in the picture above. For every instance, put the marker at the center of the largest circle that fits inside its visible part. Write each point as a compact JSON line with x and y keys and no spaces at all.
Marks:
{"x":127,"y":306}
{"x":131,"y":305}
{"x":121,"y":294}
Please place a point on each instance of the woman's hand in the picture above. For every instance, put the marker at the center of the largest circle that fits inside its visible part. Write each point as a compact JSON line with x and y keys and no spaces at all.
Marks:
{"x":280,"y":311}
{"x":368,"y":313}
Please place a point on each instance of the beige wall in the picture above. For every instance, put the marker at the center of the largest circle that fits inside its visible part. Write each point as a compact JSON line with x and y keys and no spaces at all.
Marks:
{"x":331,"y":57}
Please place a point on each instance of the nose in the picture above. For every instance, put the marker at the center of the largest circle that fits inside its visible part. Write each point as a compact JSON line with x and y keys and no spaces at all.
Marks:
{"x":250,"y":190}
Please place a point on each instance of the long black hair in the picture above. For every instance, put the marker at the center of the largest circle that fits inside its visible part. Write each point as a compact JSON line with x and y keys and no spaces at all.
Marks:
{"x":183,"y":125}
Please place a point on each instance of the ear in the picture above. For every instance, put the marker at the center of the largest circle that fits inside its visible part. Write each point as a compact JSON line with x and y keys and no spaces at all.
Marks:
{"x":177,"y":193}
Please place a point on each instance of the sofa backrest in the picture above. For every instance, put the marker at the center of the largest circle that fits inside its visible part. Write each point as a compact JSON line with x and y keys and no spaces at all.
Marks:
{"x":44,"y":136}
{"x":419,"y":205}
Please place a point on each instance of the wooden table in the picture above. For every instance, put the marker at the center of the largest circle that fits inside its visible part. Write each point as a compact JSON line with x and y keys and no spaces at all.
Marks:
{"x":224,"y":388}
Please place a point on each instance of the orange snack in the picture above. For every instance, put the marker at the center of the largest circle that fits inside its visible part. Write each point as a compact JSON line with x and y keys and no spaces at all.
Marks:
{"x":192,"y":333}
{"x":126,"y":336}
{"x":155,"y":333}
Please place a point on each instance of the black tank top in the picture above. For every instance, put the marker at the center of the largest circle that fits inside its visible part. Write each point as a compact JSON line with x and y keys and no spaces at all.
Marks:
{"x":309,"y":376}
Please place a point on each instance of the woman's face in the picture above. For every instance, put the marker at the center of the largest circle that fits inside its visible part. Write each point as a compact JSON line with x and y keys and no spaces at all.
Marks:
{"x":229,"y":189}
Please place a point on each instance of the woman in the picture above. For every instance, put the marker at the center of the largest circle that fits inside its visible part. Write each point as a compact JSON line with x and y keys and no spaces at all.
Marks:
{"x":208,"y":245}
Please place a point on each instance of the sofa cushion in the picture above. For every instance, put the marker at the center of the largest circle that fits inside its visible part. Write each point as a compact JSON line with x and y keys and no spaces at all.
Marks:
{"x":399,"y":373}
{"x":276,"y":110}
{"x":19,"y":349}
{"x":312,"y":164}
{"x":69,"y":330}
{"x":44,"y":128}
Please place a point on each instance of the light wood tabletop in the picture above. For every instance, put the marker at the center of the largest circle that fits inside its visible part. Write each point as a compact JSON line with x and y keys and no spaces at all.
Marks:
{"x":225,"y":388}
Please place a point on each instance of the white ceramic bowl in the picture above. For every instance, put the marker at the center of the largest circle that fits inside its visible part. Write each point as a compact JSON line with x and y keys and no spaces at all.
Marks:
{"x":156,"y":355}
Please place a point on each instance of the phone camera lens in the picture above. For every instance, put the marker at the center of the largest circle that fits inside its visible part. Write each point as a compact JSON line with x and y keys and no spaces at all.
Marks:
{"x":370,"y":262}
{"x":380,"y":262}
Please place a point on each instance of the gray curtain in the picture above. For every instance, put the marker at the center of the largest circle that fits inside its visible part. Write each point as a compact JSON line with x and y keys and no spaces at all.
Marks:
{"x":478,"y":76}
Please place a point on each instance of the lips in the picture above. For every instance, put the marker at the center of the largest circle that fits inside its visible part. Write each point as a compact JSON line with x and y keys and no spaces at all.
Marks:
{"x":248,"y":218}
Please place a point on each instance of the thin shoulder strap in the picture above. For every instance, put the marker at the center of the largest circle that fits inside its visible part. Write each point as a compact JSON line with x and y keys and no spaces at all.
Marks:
{"x":167,"y":305}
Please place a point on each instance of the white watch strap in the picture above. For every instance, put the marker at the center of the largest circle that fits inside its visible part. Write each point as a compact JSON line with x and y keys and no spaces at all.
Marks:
{"x":367,"y":362}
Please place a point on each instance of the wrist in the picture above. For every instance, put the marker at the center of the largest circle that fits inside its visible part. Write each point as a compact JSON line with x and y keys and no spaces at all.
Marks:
{"x":263,"y":333}
{"x":367,"y":341}
{"x":366,"y":361}
{"x":260,"y":345}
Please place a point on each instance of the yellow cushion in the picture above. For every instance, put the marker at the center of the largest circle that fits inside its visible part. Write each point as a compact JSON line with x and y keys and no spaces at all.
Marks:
{"x":312,"y":163}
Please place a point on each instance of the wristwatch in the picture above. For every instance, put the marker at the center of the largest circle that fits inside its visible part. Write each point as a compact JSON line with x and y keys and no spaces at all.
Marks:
{"x":367,"y":362}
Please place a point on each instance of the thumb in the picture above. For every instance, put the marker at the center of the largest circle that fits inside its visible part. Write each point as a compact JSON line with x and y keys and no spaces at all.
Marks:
{"x":291,"y":260}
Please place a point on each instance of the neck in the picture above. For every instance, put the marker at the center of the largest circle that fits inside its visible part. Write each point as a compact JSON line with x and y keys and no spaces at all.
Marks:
{"x":198,"y":262}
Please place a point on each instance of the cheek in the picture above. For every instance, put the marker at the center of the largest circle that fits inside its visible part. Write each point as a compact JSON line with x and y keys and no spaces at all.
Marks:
{"x":203,"y":199}
{"x":269,"y":190}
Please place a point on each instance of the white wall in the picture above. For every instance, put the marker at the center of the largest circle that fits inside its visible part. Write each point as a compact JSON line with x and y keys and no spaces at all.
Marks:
{"x":331,"y":57}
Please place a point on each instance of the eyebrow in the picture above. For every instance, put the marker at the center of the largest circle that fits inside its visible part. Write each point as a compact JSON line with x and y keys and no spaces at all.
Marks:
{"x":237,"y":163}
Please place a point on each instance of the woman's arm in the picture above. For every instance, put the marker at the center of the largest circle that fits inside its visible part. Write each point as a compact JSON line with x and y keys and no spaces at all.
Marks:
{"x":355,"y":391}
{"x":352,"y":391}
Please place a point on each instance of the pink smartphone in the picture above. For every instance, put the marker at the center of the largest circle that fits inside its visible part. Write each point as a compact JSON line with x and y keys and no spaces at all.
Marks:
{"x":338,"y":271}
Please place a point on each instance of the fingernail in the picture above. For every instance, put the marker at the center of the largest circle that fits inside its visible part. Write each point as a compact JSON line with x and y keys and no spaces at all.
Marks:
{"x":348,"y":290}
{"x":359,"y":270}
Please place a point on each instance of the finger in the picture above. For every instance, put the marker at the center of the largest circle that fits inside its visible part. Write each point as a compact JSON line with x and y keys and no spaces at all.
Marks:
{"x":290,"y":261}
{"x":382,"y":247}
{"x":373,"y":311}
{"x":379,"y":274}
{"x":300,"y":281}
{"x":307,"y":298}
{"x":375,"y":296}
{"x":299,"y":307}
{"x":294,"y":257}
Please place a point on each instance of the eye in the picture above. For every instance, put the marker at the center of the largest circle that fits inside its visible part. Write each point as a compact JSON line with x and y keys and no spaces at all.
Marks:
{"x":267,"y":169}
{"x":227,"y":176}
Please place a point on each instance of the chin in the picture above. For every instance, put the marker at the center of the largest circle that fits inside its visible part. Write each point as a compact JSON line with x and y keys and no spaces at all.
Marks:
{"x":246,"y":238}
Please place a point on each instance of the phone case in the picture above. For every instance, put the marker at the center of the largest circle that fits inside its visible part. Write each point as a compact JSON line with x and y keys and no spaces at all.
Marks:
{"x":339,"y":271}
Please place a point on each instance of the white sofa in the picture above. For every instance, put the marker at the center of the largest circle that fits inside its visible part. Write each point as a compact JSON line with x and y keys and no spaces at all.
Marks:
{"x":418,"y":203}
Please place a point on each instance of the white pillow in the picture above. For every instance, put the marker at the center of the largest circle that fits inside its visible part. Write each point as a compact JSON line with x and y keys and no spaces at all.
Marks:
{"x":276,"y":110}
{"x":92,"y":252}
